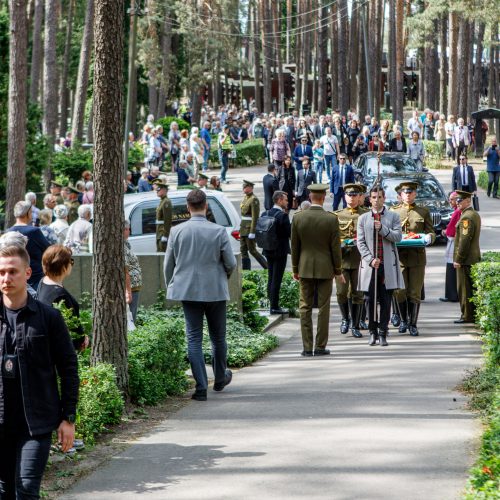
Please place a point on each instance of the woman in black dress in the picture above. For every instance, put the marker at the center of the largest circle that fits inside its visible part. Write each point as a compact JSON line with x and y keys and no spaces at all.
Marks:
{"x":286,"y":179}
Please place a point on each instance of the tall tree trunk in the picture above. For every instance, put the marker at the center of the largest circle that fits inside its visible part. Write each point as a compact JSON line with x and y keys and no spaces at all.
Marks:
{"x":64,"y":94}
{"x":82,"y":81}
{"x":362,"y":99}
{"x":196,"y":106}
{"x":453,"y":61}
{"x":109,"y":307}
{"x":166,"y":54}
{"x":492,"y":80}
{"x":322,"y":56}
{"x":391,"y":63}
{"x":334,"y":57}
{"x":314,"y":99}
{"x":298,"y":58}
{"x":289,"y":7}
{"x":281,"y":79}
{"x":256,"y":50}
{"x":306,"y":59}
{"x":478,"y":67}
{"x":400,"y":55}
{"x":463,"y":66}
{"x":36,"y":51}
{"x":90,"y":124}
{"x":353,"y":58}
{"x":443,"y":64}
{"x":470,"y":69}
{"x":266,"y":42}
{"x":421,"y":78}
{"x":17,"y":114}
{"x":377,"y":61}
{"x":343,"y":83}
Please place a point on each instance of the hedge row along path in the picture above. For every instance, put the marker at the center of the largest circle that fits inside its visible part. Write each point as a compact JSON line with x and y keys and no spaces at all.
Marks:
{"x":366,"y":422}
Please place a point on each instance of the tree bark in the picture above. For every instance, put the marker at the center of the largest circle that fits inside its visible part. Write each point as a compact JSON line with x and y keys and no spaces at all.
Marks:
{"x":256,"y":62}
{"x":463,"y":66}
{"x":17,"y":114}
{"x":400,"y":53}
{"x":353,"y":58}
{"x":443,"y":64}
{"x":377,"y":61}
{"x":306,"y":59}
{"x":334,"y":59}
{"x":166,"y":54}
{"x":281,"y":79}
{"x":36,"y":51}
{"x":64,"y":94}
{"x":478,"y":67}
{"x":452,"y":71}
{"x":391,"y":63}
{"x":266,"y":42}
{"x":470,"y":69}
{"x":492,"y":81}
{"x":322,"y":56}
{"x":77,"y":122}
{"x":108,"y":287}
{"x":362,"y":98}
{"x":289,"y":6}
{"x":343,"y":83}
{"x":421,"y":78}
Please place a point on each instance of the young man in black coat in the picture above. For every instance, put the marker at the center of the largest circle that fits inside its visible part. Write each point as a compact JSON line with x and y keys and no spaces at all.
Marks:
{"x":270,"y":182}
{"x":463,"y":177}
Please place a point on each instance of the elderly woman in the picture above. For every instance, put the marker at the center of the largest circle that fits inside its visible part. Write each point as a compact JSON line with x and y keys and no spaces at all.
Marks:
{"x":398,"y":143}
{"x":440,"y":131}
{"x":174,"y":138}
{"x":133,"y":273}
{"x":79,"y":237}
{"x":45,"y":222}
{"x":416,"y":150}
{"x":60,"y":225}
{"x":88,"y":195}
{"x":144,"y":186}
{"x":279,"y":148}
{"x":31,"y":198}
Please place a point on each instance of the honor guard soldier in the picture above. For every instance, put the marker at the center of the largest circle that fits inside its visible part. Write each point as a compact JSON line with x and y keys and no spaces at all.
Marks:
{"x":250,"y":211}
{"x":163,"y":216}
{"x":347,"y":294}
{"x":55,"y":190}
{"x":415,"y":219}
{"x":72,"y":203}
{"x":467,"y":253}
{"x":202,"y":182}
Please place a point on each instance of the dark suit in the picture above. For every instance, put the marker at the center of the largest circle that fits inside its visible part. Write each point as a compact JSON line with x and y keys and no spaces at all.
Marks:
{"x":457,"y":180}
{"x":394,"y":147}
{"x":337,"y":182}
{"x":276,"y":259}
{"x":304,"y":179}
{"x":270,"y":183}
{"x":301,"y":151}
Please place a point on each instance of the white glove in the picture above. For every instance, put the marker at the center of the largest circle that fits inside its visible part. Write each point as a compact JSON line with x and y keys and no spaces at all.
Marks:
{"x":427,"y":239}
{"x":251,"y":236}
{"x":164,"y":239}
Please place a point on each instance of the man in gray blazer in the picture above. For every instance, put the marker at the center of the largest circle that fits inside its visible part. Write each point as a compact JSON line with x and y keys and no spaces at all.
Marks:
{"x":379,"y":266}
{"x":198,"y":263}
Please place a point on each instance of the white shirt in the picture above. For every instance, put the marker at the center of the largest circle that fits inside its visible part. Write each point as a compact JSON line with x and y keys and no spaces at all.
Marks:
{"x":450,"y":128}
{"x":414,"y":125}
{"x":329,"y":144}
{"x":278,"y":207}
{"x":464,"y":175}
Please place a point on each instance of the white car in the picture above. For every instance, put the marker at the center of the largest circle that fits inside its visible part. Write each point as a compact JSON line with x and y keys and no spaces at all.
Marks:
{"x":140,"y":210}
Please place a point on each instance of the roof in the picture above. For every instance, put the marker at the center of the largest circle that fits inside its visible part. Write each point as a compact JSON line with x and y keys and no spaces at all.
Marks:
{"x":487,"y":113}
{"x":133,"y":198}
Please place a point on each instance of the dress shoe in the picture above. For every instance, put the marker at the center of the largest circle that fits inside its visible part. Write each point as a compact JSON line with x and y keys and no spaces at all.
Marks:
{"x":306,"y":354}
{"x":218,"y":386}
{"x":363,"y":325}
{"x":395,"y":320}
{"x":199,"y":395}
{"x":413,"y":331}
{"x":279,"y":311}
{"x":321,"y":352}
{"x":462,"y":321}
{"x":403,"y":327}
{"x":356,"y":333}
{"x":373,"y":338}
{"x":444,"y":299}
{"x":382,"y":334}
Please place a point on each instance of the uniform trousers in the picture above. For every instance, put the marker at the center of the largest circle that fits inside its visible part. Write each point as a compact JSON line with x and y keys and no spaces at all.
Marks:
{"x":248,"y":246}
{"x":384,"y":297}
{"x":307,"y":287}
{"x":450,"y":287}
{"x":414,"y":281}
{"x":347,"y":290}
{"x":465,"y":291}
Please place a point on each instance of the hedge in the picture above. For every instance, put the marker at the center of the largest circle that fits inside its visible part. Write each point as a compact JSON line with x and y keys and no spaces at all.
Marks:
{"x":482,"y":180}
{"x":167,"y":121}
{"x":248,"y":154}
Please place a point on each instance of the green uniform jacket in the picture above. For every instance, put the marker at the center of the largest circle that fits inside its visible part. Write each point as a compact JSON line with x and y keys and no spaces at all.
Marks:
{"x":316,"y":244}
{"x":250,"y":207}
{"x":348,"y":223}
{"x":72,"y":207}
{"x":163,"y":218}
{"x":417,"y":220}
{"x":467,"y":250}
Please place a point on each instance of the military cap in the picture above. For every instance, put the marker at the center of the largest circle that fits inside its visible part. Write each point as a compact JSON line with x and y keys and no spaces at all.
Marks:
{"x":160,"y":184}
{"x":463,"y":194}
{"x":56,"y":183}
{"x":202,"y":176}
{"x":359,"y":188}
{"x":73,"y":189}
{"x":318,"y":188}
{"x":406,"y":185}
{"x":247,"y":183}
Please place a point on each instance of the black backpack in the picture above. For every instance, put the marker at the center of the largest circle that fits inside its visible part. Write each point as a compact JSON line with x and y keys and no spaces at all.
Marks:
{"x":266,"y":234}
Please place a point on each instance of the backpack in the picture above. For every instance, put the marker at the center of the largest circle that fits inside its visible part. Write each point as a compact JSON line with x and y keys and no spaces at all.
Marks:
{"x":266,"y":234}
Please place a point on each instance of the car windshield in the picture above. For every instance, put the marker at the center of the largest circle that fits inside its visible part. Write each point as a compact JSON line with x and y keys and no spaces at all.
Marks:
{"x":390,"y":165}
{"x":428,"y":189}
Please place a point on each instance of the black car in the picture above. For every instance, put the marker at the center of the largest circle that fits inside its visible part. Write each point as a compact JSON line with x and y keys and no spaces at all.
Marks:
{"x":430,"y":194}
{"x":366,"y":166}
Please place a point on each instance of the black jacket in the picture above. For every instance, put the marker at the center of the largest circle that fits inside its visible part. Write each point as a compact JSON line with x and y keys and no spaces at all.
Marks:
{"x":283,"y":231}
{"x":393,"y":145}
{"x":270,"y":183}
{"x":44,"y":350}
{"x":456,"y":179}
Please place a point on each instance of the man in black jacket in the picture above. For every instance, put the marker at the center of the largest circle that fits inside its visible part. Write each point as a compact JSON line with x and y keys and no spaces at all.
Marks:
{"x":463,"y":177}
{"x":35,"y":347}
{"x":276,"y":259}
{"x":270,"y":182}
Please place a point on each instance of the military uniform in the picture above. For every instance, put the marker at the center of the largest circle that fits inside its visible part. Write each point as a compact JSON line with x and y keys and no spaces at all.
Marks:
{"x":59,"y":198}
{"x":347,"y":294}
{"x":163,"y":219}
{"x":414,"y":219}
{"x":467,"y":253}
{"x":250,"y":211}
{"x":72,"y":206}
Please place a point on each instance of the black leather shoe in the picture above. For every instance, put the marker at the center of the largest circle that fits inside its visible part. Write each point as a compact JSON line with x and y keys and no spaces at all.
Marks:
{"x":199,"y":395}
{"x":382,"y":334}
{"x":363,"y":325}
{"x":356,"y":333}
{"x":321,"y":352}
{"x":413,"y":331}
{"x":279,"y":311}
{"x":306,"y":353}
{"x":395,"y":320}
{"x":462,"y":321}
{"x":403,"y":327}
{"x":220,"y":385}
{"x":444,"y":299}
{"x":373,"y":338}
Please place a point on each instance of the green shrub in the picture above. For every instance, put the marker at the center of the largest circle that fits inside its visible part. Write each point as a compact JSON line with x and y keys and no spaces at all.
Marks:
{"x":482,"y":180}
{"x":167,"y":121}
{"x":434,"y":149}
{"x":248,"y":154}
{"x":70,"y":163}
{"x":251,"y":298}
{"x":100,"y":402}
{"x":135,"y":155}
{"x":157,"y":361}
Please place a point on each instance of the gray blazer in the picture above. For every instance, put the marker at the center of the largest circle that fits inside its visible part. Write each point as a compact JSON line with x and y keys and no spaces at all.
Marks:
{"x":391,"y":233}
{"x":198,"y":261}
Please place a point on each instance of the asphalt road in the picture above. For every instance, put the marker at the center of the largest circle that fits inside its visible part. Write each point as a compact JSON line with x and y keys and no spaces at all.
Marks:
{"x":364,"y":423}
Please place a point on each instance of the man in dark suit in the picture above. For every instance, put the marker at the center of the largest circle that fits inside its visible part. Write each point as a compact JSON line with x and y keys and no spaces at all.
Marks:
{"x":290,"y":133}
{"x":343,"y":173}
{"x":303,"y":150}
{"x":463,"y":177}
{"x":305,"y":178}
{"x":398,"y":143}
{"x":270,"y":182}
{"x":276,"y":259}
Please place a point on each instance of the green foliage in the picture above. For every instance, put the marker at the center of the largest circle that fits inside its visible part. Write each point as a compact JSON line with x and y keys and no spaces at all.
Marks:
{"x":482,"y":180}
{"x":167,"y":121}
{"x":251,"y":298}
{"x":73,"y":322}
{"x":135,"y":156}
{"x":70,"y":163}
{"x":248,"y":154}
{"x":100,"y":402}
{"x":157,"y":361}
{"x":434,"y":149}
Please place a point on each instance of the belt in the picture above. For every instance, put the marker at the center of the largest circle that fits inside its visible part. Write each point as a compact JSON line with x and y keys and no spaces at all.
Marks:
{"x":244,"y":217}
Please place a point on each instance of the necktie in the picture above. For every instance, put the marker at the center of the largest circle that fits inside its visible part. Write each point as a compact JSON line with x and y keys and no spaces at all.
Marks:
{"x":303,"y":152}
{"x":464,"y":181}
{"x":342,"y":175}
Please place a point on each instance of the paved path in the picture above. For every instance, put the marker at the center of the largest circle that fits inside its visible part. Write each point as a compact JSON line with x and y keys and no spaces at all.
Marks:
{"x":364,"y":423}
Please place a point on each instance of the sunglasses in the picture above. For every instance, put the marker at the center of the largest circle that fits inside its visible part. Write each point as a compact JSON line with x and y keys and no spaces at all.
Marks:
{"x":458,"y":200}
{"x":341,"y":158}
{"x":352,"y":193}
{"x":408,"y":190}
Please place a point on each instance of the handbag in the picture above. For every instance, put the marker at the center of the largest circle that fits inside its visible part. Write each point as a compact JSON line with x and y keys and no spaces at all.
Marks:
{"x":475,"y":202}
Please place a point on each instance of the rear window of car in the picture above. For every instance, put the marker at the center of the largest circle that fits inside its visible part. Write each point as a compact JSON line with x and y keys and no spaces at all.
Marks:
{"x":428,"y":189}
{"x":390,"y":165}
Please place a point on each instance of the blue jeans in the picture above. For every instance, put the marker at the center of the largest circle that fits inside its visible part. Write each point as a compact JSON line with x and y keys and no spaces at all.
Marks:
{"x":22,"y":462}
{"x":215,"y":313}
{"x":224,"y":164}
{"x":330,"y":164}
{"x":206,"y":156}
{"x":318,"y":168}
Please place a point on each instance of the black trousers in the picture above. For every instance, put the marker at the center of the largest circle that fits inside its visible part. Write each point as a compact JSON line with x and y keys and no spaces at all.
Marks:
{"x":384,"y":297}
{"x":275,"y":270}
{"x":450,"y":287}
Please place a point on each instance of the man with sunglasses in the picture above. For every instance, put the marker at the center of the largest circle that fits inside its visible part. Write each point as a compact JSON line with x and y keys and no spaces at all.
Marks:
{"x":415,"y":219}
{"x":466,"y":253}
{"x":163,"y":216}
{"x":348,"y":296}
{"x":342,"y":174}
{"x":463,"y":177}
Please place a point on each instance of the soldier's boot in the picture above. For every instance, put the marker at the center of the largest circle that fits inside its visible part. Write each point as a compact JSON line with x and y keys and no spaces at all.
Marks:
{"x":356,"y":316}
{"x":403,"y":309}
{"x":413,"y":310}
{"x":363,"y":325}
{"x":382,"y":335}
{"x":344,"y":311}
{"x":246,"y":264}
{"x":373,"y":337}
{"x":396,"y":315}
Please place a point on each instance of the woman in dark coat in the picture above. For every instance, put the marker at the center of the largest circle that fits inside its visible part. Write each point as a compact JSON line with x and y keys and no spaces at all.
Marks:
{"x":286,"y":179}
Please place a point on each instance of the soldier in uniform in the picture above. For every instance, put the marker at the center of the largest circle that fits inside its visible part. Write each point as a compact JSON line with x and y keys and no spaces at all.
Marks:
{"x":202,"y":182}
{"x":347,"y":294}
{"x":55,"y":190}
{"x":414,"y":219}
{"x":163,"y":216}
{"x":467,"y":253}
{"x":72,"y":203}
{"x":250,"y":211}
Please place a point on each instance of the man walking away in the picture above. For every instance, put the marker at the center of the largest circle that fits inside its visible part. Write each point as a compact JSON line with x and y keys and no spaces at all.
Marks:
{"x":270,"y":183}
{"x":201,"y":245}
{"x":316,"y":260}
{"x":493,"y":167}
